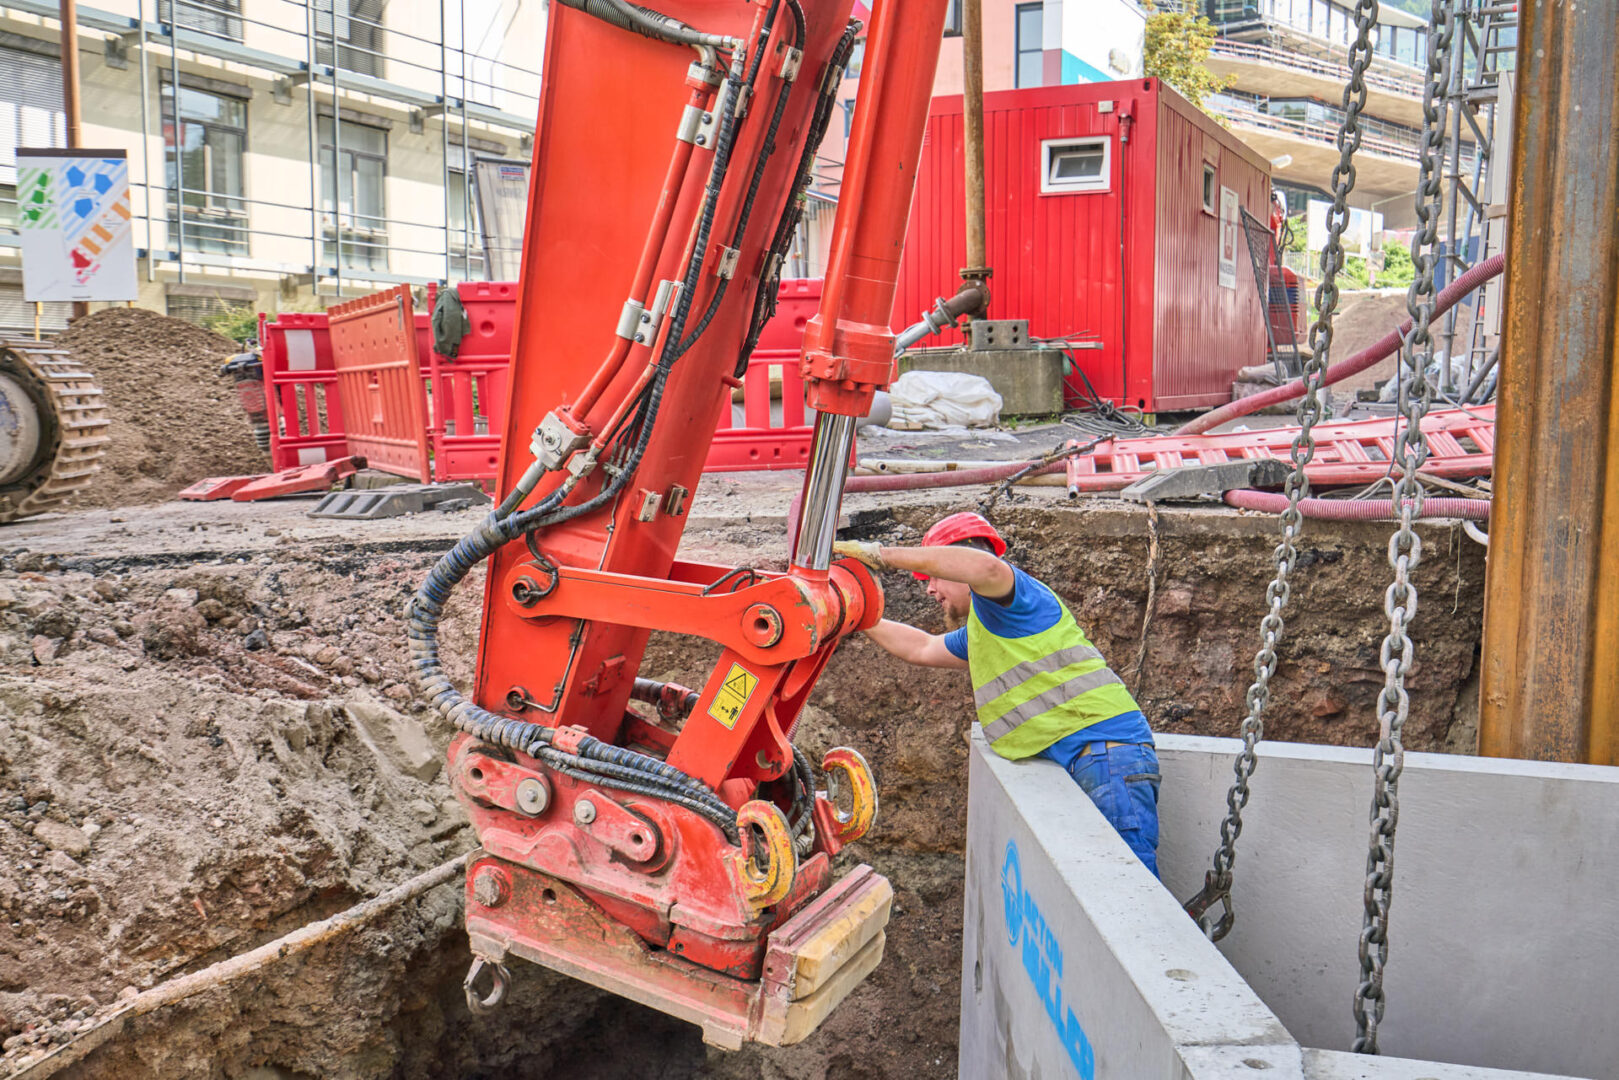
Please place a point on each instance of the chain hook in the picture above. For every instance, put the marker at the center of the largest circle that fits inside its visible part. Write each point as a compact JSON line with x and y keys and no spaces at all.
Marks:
{"x":1216,"y":890}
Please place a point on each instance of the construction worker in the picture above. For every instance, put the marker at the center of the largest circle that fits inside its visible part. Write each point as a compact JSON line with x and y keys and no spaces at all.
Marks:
{"x":1041,"y":687}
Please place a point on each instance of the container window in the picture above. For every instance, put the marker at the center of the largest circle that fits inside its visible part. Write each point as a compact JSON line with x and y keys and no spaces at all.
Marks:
{"x":1073,"y":165}
{"x":1211,"y":188}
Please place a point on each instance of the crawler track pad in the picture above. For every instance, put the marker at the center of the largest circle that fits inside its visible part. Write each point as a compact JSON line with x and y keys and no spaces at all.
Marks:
{"x":812,"y":960}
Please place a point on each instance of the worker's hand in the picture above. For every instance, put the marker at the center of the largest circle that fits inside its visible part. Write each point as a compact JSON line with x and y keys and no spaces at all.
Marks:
{"x":862,"y":551}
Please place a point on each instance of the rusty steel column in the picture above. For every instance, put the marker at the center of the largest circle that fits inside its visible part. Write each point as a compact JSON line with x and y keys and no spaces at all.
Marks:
{"x":1550,"y":670}
{"x":68,"y":15}
{"x":972,"y":130}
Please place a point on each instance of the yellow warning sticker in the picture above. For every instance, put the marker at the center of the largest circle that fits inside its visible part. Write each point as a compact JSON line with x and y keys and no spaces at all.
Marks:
{"x":733,"y":696}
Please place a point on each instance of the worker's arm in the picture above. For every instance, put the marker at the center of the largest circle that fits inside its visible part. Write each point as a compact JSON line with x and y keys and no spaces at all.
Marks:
{"x":980,"y":571}
{"x":914,"y":646}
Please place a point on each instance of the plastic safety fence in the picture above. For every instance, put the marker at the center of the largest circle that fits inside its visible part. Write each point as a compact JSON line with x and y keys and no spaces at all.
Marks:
{"x":300,"y":389}
{"x":767,"y":425}
{"x":467,"y":395}
{"x":465,"y":398}
{"x":379,"y":381}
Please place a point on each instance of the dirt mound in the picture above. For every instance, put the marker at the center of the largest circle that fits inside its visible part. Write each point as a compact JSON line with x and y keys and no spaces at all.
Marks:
{"x":174,"y":419}
{"x":1365,"y":317}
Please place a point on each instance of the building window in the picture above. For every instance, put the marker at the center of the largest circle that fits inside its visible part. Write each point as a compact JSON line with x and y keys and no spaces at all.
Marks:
{"x":857,"y":59}
{"x":216,"y":18}
{"x":1075,"y":165}
{"x":355,"y":27}
{"x":465,"y":231}
{"x":203,"y":170}
{"x":848,"y":116}
{"x":952,"y":19}
{"x":1211,"y":189}
{"x":1030,"y":42}
{"x":353,"y":168}
{"x":30,"y":110}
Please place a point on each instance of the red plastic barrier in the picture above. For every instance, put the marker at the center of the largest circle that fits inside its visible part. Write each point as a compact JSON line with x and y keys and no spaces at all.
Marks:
{"x":300,"y":389}
{"x":465,"y":398}
{"x":467,"y":395}
{"x":762,"y":432}
{"x":379,"y":381}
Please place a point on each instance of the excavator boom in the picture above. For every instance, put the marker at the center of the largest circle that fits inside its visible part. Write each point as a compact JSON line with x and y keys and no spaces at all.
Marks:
{"x":679,"y":855}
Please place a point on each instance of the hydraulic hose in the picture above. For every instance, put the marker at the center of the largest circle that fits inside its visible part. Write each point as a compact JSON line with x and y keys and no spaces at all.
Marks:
{"x":649,"y":23}
{"x":1272,"y":502}
{"x":1382,"y":349}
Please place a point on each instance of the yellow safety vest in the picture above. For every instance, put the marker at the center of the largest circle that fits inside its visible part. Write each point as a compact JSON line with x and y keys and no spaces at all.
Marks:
{"x":1032,"y":691}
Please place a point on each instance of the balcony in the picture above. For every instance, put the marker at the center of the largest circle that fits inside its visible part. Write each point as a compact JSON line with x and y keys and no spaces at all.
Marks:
{"x":1307,"y":131}
{"x":1394,"y":91}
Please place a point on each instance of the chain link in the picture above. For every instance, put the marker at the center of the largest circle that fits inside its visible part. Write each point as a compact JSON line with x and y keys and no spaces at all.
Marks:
{"x":1405,"y":546}
{"x":1217,"y":882}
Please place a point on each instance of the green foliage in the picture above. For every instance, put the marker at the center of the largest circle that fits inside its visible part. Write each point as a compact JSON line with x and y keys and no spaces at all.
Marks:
{"x":1176,"y":49}
{"x":1423,"y":8}
{"x":1398,"y":270}
{"x":239,"y":322}
{"x":1298,"y":233}
{"x":1355,"y":274}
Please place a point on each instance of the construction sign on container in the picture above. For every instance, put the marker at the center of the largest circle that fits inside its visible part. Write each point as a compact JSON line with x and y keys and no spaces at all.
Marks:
{"x":73,"y":214}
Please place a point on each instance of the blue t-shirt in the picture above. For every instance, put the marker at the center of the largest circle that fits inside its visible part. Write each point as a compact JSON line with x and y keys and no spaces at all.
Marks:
{"x":1035,"y":608}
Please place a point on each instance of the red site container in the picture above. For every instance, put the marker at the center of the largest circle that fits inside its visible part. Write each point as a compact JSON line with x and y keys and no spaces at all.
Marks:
{"x":466,"y":397}
{"x":1132,"y":242}
{"x":774,"y":429}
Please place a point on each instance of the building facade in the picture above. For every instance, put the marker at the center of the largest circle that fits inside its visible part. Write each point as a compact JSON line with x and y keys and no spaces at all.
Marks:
{"x":282,"y":153}
{"x":1287,"y":59}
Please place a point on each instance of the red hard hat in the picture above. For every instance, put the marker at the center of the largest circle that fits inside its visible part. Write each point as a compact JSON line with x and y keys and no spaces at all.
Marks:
{"x":963,"y":526}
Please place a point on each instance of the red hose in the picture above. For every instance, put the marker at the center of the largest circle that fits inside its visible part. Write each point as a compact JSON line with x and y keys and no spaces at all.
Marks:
{"x":1272,"y":502}
{"x":1382,"y":349}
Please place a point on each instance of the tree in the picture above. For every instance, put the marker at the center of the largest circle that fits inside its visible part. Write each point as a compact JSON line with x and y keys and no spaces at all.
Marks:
{"x":1176,"y":49}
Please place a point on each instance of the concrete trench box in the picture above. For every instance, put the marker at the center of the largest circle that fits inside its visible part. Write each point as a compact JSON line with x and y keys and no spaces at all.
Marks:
{"x":1504,"y":929}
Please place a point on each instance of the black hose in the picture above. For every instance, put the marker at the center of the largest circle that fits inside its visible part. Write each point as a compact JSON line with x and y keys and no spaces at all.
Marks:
{"x":648,"y":23}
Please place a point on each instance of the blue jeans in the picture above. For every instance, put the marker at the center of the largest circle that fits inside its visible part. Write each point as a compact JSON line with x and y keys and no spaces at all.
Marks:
{"x":1123,"y":783}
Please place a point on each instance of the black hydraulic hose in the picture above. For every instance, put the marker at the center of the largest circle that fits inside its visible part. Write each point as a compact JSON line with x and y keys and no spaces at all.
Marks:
{"x":648,"y":23}
{"x":561,"y":763}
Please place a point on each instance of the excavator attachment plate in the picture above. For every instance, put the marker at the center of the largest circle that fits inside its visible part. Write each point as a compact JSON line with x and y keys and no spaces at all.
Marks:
{"x":811,"y":963}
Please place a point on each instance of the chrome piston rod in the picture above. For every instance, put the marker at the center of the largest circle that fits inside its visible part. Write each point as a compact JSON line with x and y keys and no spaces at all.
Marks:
{"x":823,"y":490}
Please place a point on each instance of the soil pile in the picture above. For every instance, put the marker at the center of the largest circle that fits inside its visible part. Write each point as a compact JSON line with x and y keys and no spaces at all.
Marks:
{"x":175,"y":419}
{"x":1365,"y":317}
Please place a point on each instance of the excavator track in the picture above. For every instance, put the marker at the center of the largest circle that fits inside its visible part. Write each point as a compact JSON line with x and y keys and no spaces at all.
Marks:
{"x":53,"y":428}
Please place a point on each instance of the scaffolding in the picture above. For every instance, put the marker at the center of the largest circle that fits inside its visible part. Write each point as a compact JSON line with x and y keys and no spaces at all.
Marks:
{"x":334,"y":50}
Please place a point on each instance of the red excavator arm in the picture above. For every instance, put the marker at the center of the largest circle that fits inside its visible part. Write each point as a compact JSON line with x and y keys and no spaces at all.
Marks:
{"x":683,"y":858}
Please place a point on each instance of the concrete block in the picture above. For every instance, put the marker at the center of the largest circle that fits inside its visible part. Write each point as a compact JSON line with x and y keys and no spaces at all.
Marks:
{"x":398,"y":739}
{"x":1077,"y":963}
{"x":1028,"y":380}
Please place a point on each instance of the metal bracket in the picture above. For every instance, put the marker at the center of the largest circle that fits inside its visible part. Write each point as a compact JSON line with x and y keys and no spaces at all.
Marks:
{"x":649,"y":504}
{"x":629,"y":320}
{"x":744,"y":102}
{"x":791,"y":63}
{"x":701,"y":72}
{"x":1195,"y":480}
{"x":696,"y":127}
{"x":725,"y":265}
{"x":116,"y":52}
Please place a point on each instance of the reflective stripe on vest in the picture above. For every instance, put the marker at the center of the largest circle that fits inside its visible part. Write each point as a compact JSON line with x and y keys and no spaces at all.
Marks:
{"x":1032,"y":691}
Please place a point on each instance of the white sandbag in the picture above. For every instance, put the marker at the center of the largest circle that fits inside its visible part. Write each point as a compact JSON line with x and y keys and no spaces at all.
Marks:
{"x":936,"y":399}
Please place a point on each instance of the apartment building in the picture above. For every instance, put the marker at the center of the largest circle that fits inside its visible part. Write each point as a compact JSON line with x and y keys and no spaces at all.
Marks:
{"x":283,"y":153}
{"x":1288,"y":60}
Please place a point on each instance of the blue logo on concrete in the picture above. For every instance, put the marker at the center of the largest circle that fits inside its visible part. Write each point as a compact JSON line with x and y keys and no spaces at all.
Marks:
{"x":1042,"y":961}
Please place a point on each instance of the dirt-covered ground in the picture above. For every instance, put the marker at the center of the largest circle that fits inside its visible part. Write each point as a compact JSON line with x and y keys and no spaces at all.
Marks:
{"x":208,"y":738}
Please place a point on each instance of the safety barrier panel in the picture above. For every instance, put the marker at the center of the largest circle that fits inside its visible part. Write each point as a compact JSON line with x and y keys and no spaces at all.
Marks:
{"x":379,"y":381}
{"x":300,"y":389}
{"x":769,"y":427}
{"x":464,"y":398}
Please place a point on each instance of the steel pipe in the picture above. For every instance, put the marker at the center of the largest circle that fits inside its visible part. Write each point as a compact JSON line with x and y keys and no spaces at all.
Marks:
{"x":822,"y":496}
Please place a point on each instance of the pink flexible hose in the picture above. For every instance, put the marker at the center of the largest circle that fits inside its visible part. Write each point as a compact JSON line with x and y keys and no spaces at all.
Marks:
{"x":1382,"y":349}
{"x":1271,"y":502}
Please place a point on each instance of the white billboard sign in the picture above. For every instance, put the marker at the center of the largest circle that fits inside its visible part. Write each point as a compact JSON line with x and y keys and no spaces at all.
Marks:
{"x":74,"y":218}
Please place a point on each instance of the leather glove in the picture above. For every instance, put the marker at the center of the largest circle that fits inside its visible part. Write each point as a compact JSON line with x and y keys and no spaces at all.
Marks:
{"x":862,"y":551}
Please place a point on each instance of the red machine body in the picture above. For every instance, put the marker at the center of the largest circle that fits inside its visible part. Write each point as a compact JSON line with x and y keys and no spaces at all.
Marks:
{"x":639,"y":885}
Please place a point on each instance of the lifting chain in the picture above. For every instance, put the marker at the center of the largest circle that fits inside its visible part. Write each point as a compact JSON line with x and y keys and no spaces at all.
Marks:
{"x":1217,"y":882}
{"x":1405,"y":546}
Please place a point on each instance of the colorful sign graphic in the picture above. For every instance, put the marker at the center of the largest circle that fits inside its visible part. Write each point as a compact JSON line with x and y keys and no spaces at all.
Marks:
{"x":74,"y":217}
